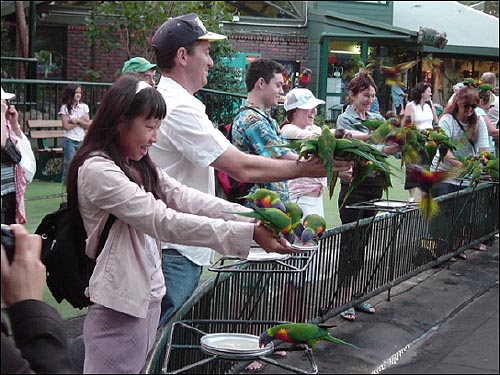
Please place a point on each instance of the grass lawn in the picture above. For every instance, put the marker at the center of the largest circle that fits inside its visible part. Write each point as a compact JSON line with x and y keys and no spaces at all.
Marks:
{"x":36,"y":209}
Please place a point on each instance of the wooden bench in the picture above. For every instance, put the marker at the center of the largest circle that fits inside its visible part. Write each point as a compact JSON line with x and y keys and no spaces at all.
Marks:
{"x":49,"y":152}
{"x":45,"y":130}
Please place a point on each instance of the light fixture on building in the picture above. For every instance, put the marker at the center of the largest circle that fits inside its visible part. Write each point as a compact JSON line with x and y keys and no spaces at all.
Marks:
{"x":340,"y":52}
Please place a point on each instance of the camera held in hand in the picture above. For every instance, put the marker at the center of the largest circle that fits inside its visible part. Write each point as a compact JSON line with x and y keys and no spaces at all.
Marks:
{"x":8,"y":242}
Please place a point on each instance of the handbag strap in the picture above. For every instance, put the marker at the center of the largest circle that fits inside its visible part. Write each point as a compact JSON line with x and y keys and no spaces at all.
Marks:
{"x":465,"y":133}
{"x":104,"y":235}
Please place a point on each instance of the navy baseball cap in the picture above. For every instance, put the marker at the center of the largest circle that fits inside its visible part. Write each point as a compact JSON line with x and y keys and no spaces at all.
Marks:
{"x":181,"y":31}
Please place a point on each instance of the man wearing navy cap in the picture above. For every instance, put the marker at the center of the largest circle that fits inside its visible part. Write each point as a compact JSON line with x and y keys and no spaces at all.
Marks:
{"x":189,"y":147}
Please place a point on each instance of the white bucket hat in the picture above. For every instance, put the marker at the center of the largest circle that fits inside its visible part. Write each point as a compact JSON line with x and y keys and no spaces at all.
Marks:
{"x":302,"y":99}
{"x":7,"y":95}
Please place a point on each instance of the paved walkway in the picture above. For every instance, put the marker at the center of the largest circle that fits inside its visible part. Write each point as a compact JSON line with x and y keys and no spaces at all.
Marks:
{"x":445,"y":320}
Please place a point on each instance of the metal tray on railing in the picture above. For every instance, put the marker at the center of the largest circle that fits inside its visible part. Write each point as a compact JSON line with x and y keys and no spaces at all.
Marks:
{"x":259,"y":261}
{"x":387,"y":205}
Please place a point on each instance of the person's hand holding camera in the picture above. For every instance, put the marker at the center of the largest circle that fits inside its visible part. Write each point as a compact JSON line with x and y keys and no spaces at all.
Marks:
{"x":24,"y":278}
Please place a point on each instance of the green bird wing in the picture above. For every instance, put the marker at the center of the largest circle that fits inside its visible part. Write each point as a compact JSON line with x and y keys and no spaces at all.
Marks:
{"x":272,"y":218}
{"x":302,"y":332}
{"x":294,"y":211}
{"x":326,"y":152}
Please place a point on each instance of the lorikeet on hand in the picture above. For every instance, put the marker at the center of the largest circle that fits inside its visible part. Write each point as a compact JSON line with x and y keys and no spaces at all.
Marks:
{"x":299,"y":333}
{"x":264,"y":198}
{"x":272,"y":218}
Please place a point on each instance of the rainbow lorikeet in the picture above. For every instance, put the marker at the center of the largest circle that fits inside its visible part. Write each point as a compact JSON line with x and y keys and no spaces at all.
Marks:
{"x":438,"y":138}
{"x":391,"y":72}
{"x":299,"y":333}
{"x":294,"y":211}
{"x":264,"y":198}
{"x":490,"y":164}
{"x":273,"y":219}
{"x":426,"y":180}
{"x":314,"y":226}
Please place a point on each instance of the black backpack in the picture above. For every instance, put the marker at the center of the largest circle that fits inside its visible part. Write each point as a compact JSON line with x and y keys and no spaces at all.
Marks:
{"x":63,"y":253}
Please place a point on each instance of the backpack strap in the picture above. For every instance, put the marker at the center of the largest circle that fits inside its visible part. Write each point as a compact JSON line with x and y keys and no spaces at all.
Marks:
{"x":104,"y":235}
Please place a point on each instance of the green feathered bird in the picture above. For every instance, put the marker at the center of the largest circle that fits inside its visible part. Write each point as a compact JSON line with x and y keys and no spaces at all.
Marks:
{"x":299,"y":333}
{"x":294,"y":211}
{"x":273,"y":219}
{"x":265,"y":198}
{"x":314,"y":226}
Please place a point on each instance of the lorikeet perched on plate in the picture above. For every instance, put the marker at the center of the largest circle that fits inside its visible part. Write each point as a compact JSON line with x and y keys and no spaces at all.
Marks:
{"x":264,"y":198}
{"x":314,"y":226}
{"x":299,"y":333}
{"x":294,"y":211}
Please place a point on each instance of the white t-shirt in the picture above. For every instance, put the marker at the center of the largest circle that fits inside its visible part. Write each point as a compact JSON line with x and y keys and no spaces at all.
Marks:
{"x":77,"y":133}
{"x":458,"y":137}
{"x":422,"y":117}
{"x":187,"y":144}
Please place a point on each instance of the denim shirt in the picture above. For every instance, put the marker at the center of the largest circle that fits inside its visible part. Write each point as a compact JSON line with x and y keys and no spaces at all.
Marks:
{"x":350,"y":120}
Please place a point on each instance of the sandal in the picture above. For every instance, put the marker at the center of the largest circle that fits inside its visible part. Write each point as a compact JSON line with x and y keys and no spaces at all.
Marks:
{"x":480,"y":247}
{"x":365,"y":307}
{"x":349,"y":314}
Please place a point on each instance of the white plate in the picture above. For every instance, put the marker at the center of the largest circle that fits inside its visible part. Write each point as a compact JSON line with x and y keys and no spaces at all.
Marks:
{"x":260,"y":255}
{"x":308,"y":246}
{"x":238,"y":343}
{"x":232,"y":355}
{"x":390,"y":204}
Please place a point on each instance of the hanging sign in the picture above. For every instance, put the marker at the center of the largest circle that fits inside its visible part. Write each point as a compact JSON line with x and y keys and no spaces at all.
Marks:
{"x":431,"y":37}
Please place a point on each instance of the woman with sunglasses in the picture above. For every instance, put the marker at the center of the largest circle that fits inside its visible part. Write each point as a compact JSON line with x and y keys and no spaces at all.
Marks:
{"x":466,"y":130}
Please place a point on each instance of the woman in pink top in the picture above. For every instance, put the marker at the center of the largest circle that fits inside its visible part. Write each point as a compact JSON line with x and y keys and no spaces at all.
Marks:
{"x":300,"y":105}
{"x":112,"y":173}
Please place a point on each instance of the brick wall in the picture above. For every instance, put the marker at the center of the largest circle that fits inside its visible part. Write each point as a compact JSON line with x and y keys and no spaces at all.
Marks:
{"x":78,"y":54}
{"x":273,"y":47}
{"x":108,"y":62}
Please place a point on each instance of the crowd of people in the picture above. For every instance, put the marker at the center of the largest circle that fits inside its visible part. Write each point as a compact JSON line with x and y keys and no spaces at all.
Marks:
{"x":148,"y":157}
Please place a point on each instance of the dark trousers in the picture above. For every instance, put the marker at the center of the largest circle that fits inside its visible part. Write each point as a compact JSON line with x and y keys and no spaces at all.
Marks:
{"x":352,"y":243}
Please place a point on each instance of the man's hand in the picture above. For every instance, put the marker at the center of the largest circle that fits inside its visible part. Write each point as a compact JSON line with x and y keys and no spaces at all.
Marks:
{"x":25,"y":278}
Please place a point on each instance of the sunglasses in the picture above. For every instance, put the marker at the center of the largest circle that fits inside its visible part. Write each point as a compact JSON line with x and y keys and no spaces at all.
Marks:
{"x":467,"y":106}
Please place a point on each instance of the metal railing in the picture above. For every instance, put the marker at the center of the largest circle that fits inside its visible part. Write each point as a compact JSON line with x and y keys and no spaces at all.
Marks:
{"x":41,"y":99}
{"x":395,"y":246}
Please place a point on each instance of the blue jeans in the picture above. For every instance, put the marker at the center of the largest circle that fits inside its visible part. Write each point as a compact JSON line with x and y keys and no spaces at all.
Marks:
{"x":181,"y":279}
{"x":70,"y":147}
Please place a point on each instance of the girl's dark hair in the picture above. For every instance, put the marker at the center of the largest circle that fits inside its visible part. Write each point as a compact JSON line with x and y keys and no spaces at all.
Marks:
{"x":418,"y":90}
{"x":361,"y":82}
{"x":120,"y":105}
{"x":464,"y":96}
{"x":265,"y":68}
{"x":68,"y":96}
